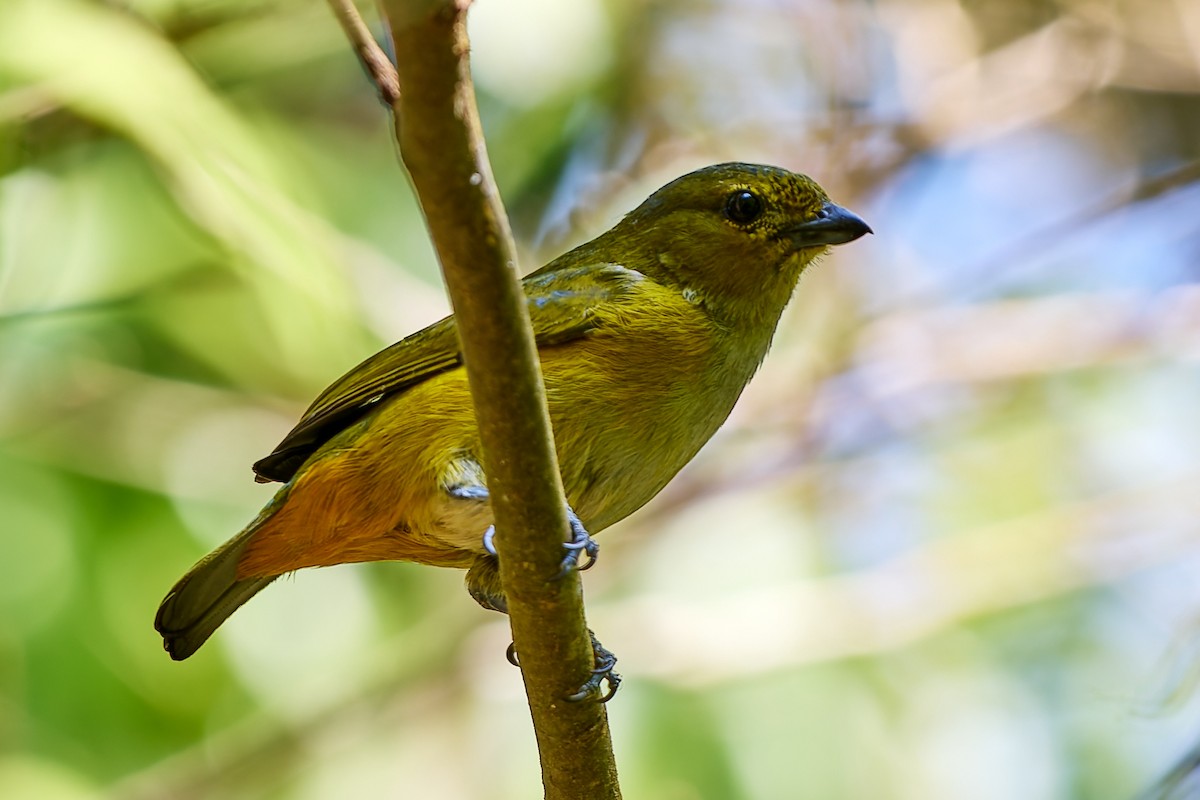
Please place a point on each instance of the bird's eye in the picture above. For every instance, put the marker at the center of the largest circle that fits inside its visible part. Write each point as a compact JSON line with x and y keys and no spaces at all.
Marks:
{"x":743,"y":207}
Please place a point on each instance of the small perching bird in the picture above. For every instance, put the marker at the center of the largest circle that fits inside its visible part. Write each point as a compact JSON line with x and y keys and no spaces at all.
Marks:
{"x":647,"y":335}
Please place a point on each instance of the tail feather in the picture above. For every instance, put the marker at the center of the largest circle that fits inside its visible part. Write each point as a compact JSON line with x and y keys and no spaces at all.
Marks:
{"x":210,"y":591}
{"x":185,"y":627}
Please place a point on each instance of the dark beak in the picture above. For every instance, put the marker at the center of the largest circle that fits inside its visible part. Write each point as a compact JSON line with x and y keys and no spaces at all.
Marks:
{"x":832,"y":225}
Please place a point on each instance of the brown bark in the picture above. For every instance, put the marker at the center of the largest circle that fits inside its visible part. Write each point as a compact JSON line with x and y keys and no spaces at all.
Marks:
{"x":441,"y":144}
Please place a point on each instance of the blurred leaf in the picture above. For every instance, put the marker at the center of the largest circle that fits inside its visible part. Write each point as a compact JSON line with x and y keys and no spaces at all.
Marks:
{"x":127,"y":78}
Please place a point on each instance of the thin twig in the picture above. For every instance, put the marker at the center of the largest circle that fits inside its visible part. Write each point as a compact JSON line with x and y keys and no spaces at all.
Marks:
{"x":370,"y":54}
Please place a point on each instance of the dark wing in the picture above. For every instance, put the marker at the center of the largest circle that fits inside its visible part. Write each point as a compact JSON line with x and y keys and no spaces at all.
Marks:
{"x":562,"y":306}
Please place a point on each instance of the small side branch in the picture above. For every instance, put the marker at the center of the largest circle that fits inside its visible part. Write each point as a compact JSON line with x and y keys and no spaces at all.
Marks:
{"x":370,"y":54}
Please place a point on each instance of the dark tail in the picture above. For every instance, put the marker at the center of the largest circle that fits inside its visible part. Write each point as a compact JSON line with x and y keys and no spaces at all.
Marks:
{"x":210,"y":591}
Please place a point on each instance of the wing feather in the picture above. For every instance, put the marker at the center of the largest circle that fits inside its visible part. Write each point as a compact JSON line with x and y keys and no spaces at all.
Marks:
{"x":562,"y":303}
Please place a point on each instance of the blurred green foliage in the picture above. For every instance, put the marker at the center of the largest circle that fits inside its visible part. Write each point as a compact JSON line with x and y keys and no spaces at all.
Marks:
{"x":945,"y":548}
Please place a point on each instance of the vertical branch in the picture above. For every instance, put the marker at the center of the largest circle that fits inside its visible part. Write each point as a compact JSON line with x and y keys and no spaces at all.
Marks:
{"x":441,"y":144}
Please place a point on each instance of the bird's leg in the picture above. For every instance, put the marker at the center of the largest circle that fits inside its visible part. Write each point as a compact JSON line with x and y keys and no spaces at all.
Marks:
{"x":469,"y":491}
{"x":581,"y":541}
{"x":483,"y":582}
{"x":478,"y":492}
{"x":605,"y":661}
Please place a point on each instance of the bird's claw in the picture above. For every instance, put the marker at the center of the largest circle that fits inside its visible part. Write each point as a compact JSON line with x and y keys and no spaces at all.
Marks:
{"x":580,"y":542}
{"x":605,"y":662}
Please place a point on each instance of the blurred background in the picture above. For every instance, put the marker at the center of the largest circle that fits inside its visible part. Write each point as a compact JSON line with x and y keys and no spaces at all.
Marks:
{"x":946,"y":547}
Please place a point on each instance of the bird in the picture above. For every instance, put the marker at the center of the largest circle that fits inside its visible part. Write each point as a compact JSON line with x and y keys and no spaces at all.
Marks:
{"x":646,"y":336}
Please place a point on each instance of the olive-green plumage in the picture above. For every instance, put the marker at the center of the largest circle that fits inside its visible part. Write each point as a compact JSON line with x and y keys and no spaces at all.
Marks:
{"x":647,"y":335}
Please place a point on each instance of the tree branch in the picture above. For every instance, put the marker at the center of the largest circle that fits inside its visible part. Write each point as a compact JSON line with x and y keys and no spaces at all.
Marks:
{"x":370,"y":54}
{"x":441,"y":144}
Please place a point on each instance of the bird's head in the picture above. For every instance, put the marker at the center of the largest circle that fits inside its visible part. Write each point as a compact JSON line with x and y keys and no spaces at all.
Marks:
{"x":734,"y":237}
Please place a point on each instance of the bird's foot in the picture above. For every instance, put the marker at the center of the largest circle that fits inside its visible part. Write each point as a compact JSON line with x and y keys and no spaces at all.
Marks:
{"x":581,"y":543}
{"x":602,"y":673}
